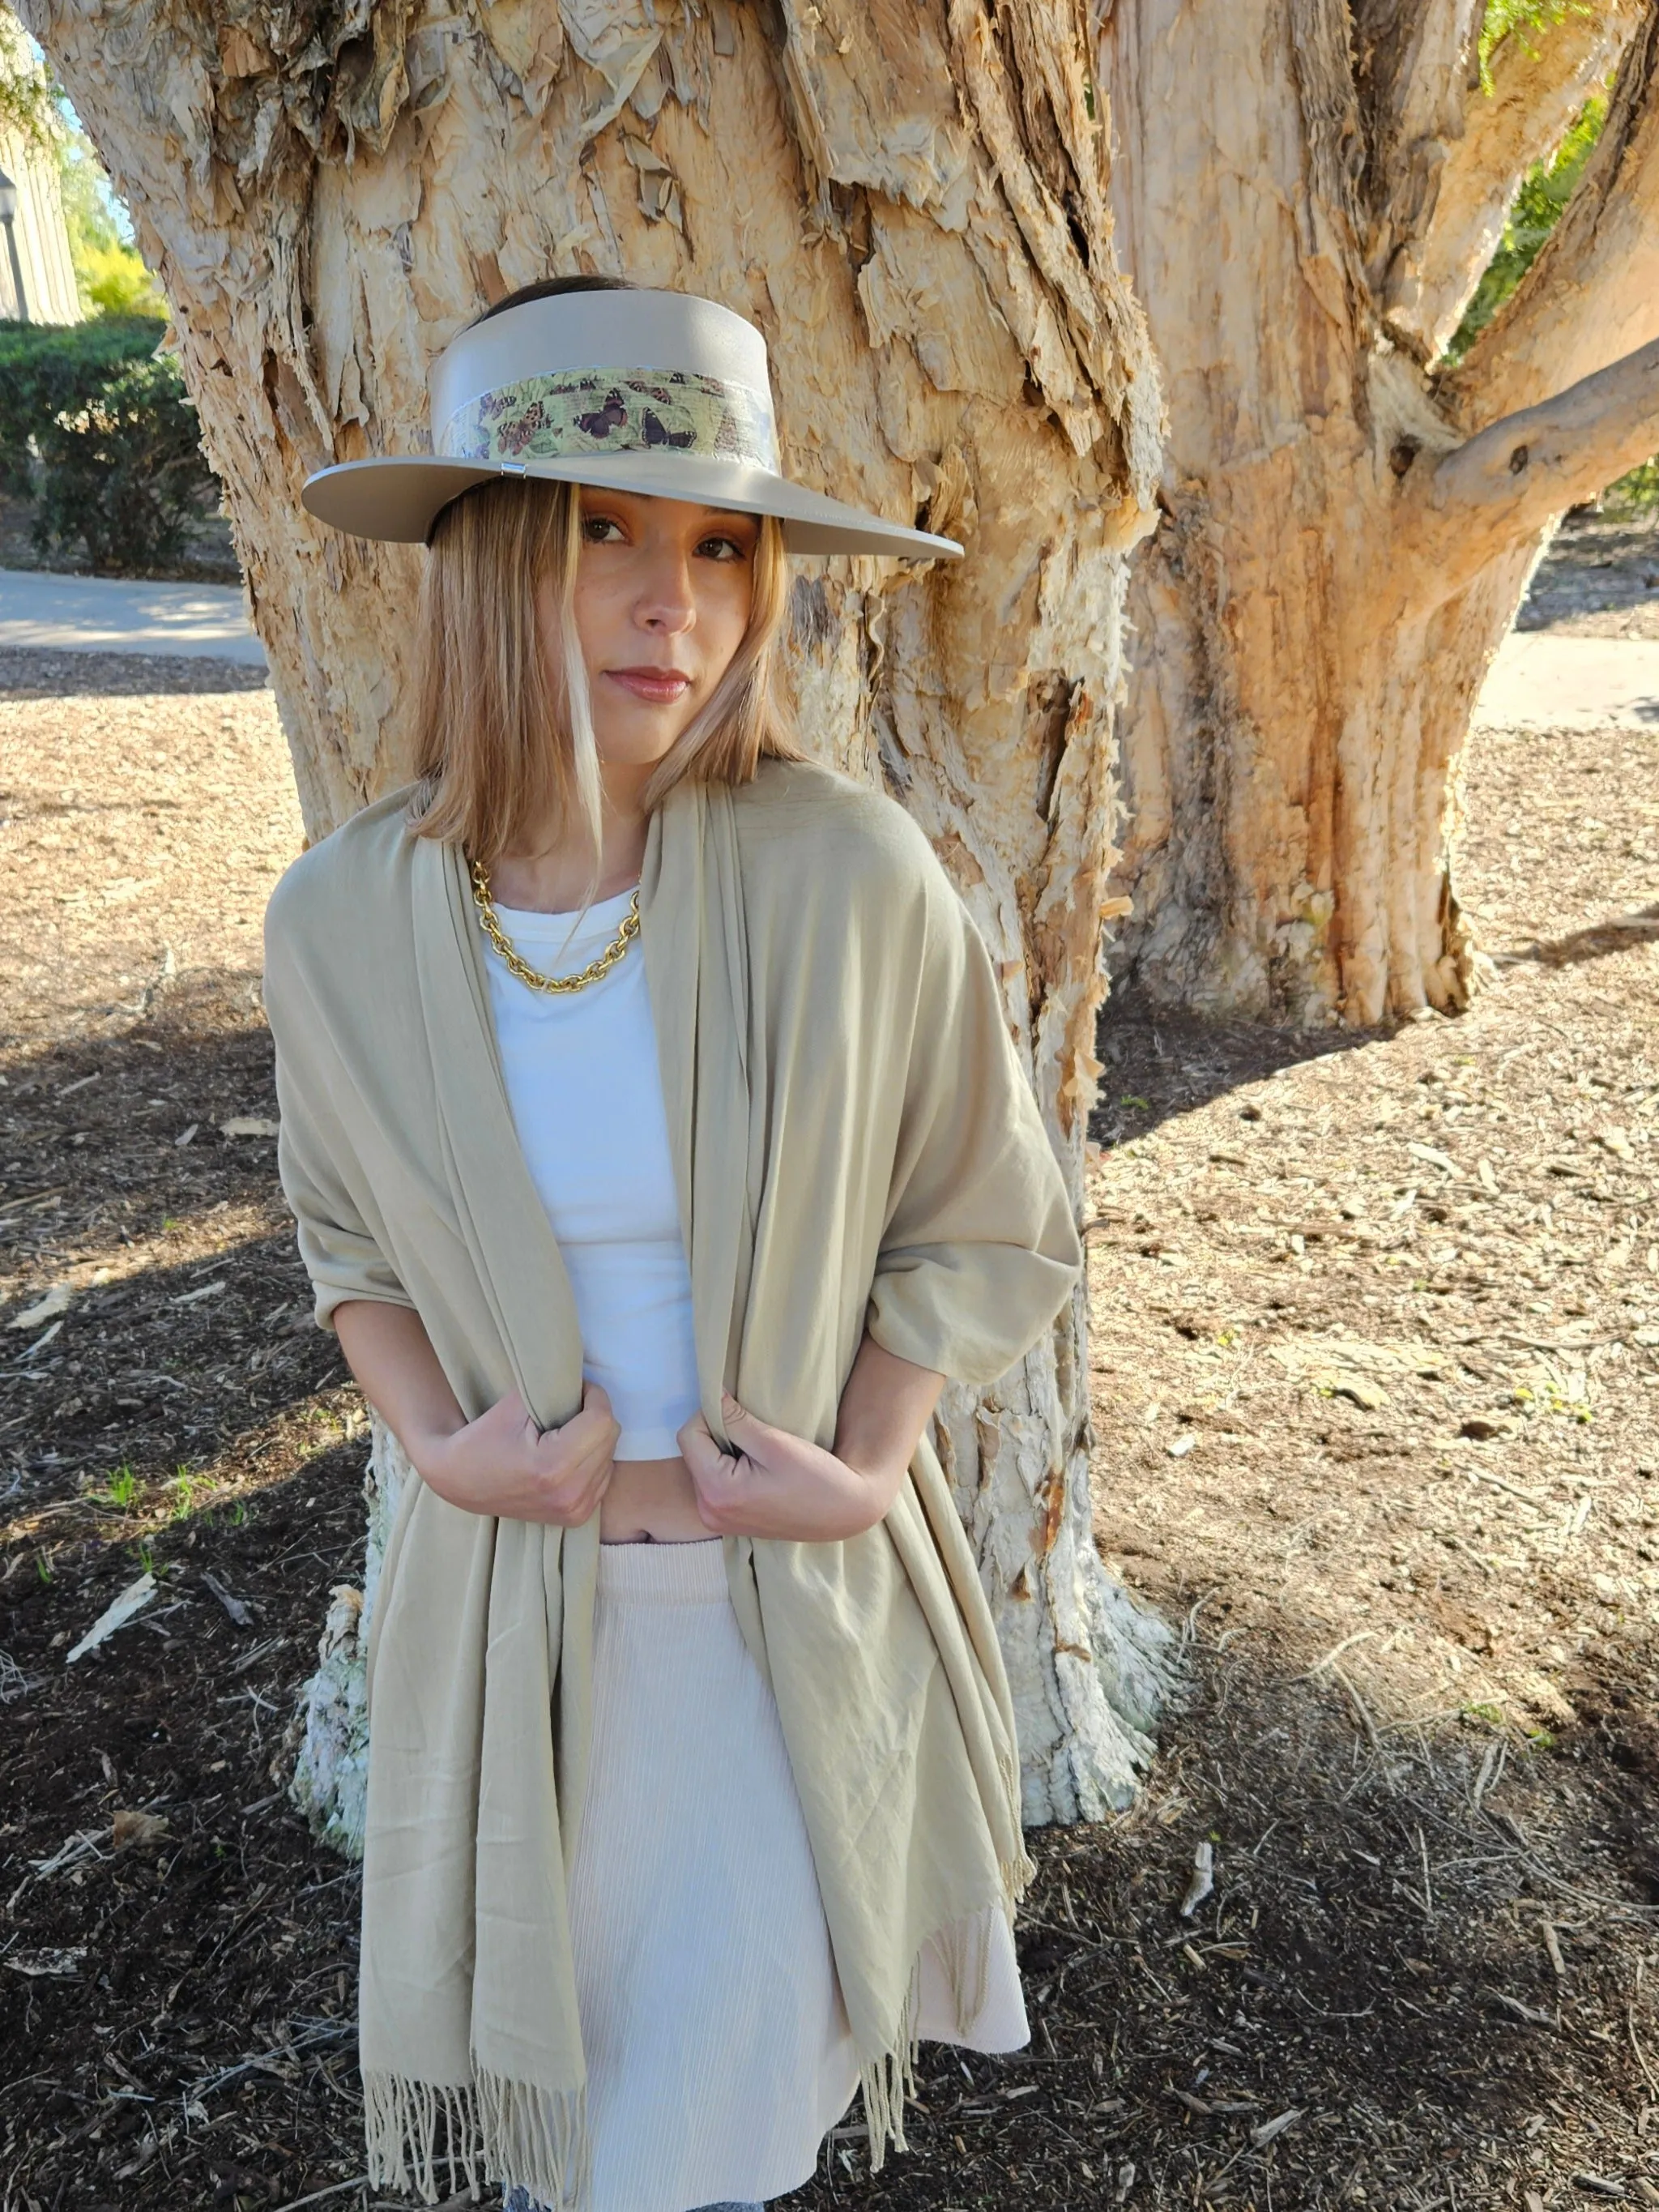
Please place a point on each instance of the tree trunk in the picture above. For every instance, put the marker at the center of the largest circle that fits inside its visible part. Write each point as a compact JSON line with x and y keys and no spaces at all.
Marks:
{"x":1334,"y":570}
{"x":912,"y":204}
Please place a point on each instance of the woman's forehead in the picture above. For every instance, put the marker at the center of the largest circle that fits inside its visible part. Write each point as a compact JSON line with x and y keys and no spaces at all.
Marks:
{"x":592,"y":493}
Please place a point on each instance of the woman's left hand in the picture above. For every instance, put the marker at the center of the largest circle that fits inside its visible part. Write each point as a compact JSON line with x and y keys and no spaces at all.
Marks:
{"x":780,"y":1486}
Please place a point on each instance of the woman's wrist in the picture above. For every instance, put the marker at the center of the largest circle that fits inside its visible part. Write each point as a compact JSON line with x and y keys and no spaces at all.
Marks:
{"x":430,"y":1448}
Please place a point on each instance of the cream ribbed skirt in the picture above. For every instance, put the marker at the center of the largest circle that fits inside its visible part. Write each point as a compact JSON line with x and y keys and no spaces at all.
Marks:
{"x":718,"y":2047}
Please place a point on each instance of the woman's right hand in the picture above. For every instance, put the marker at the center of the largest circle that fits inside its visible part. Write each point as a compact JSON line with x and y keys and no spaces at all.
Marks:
{"x":504,"y":1465}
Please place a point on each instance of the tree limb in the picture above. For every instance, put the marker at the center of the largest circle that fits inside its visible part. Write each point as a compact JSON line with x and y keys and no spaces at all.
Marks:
{"x":1592,"y":295}
{"x":1512,"y":478}
{"x":1538,"y":83}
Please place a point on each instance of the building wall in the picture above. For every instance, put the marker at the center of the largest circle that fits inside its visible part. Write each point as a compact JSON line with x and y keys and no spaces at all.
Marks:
{"x":43,"y":248}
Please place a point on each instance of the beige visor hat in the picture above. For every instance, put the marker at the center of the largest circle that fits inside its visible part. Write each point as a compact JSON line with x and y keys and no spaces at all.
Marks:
{"x":659,"y":393}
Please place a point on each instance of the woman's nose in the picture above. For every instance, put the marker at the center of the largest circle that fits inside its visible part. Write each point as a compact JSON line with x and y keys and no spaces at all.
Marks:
{"x":667,"y":603}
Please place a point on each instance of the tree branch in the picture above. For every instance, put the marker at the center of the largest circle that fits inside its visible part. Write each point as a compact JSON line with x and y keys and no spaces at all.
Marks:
{"x":1592,"y":295}
{"x":1498,"y":488}
{"x":1537,"y":89}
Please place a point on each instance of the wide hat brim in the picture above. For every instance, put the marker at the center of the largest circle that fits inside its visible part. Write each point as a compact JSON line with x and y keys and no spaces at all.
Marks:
{"x":399,"y":499}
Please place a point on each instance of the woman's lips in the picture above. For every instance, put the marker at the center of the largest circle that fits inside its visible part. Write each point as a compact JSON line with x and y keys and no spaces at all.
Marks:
{"x":662,"y":686}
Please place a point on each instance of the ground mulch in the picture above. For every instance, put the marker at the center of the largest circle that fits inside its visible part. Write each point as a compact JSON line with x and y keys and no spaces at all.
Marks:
{"x":1376,"y":1354}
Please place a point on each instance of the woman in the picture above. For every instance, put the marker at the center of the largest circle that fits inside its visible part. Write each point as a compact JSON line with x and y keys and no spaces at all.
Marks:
{"x":657,"y":1149}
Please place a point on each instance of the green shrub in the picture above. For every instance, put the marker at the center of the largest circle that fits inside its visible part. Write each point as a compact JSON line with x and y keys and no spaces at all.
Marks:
{"x":45,"y":368}
{"x":123,"y":474}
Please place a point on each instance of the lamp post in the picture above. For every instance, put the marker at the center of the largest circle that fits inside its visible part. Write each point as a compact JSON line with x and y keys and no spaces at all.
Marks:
{"x":7,"y":217}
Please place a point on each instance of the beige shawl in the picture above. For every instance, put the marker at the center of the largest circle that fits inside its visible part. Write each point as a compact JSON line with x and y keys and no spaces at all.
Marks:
{"x":855,"y":1147}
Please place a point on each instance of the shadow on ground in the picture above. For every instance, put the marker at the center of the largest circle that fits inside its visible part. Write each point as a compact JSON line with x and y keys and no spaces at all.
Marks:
{"x":1159,"y":1062}
{"x":30,"y":673}
{"x":1390,"y":1995}
{"x":188,"y":1314}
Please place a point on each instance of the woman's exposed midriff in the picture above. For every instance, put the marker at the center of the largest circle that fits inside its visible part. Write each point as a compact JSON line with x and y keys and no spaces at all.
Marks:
{"x":650,"y":1501}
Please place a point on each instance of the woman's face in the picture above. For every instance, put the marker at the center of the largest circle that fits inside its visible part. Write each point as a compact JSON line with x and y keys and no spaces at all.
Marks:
{"x":662,"y":600}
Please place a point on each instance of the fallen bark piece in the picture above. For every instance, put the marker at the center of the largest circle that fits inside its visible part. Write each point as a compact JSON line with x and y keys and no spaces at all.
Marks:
{"x":58,"y":1300}
{"x":1270,"y":2131}
{"x":235,"y":1606}
{"x":1202,"y":1882}
{"x":1483,"y":1427}
{"x":249,"y":1125}
{"x":1530,"y":2014}
{"x":39,"y":1963}
{"x":132,"y":1827}
{"x":1443,"y":1161}
{"x":1337,"y":1382}
{"x":132,"y":1600}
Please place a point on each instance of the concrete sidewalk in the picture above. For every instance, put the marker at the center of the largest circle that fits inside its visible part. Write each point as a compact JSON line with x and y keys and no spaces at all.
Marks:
{"x":1542,"y":682}
{"x":104,"y":614}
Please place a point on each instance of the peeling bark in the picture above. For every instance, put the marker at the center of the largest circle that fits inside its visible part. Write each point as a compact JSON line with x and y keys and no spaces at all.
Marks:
{"x":913,"y":204}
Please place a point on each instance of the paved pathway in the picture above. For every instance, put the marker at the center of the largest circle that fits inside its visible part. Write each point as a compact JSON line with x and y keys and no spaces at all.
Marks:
{"x":103,"y":614}
{"x":1542,"y":682}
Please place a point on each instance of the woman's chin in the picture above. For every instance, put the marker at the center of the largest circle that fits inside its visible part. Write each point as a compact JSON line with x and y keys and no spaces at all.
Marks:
{"x":641,"y":736}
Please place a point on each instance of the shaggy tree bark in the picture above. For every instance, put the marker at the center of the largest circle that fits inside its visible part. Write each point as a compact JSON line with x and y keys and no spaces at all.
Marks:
{"x":913,"y":204}
{"x":1307,"y":196}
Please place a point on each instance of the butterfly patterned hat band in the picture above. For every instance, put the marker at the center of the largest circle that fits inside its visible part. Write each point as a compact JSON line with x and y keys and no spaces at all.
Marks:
{"x":656,"y":393}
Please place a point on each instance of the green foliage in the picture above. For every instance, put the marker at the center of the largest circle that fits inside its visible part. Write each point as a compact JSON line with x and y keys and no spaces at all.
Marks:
{"x":28,"y":93}
{"x":44,"y":369}
{"x":104,"y":437}
{"x":109,"y":274}
{"x":121,"y":1488}
{"x":123,"y":475}
{"x":1544,"y":190}
{"x":1638,"y":494}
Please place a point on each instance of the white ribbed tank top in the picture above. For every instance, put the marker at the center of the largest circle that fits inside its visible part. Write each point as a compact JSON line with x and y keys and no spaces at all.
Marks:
{"x":585,"y":1090}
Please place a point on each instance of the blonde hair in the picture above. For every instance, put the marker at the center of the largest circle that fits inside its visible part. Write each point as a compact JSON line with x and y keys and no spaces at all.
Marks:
{"x":501,"y":739}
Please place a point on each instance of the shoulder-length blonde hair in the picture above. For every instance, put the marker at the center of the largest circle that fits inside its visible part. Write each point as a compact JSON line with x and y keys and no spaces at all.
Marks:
{"x":502,"y":738}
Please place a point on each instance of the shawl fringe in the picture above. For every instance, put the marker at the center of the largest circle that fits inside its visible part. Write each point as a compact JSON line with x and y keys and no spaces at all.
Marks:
{"x":964,"y":1947}
{"x":511,"y":2131}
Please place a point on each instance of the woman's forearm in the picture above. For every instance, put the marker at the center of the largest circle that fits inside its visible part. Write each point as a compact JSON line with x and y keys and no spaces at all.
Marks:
{"x":501,"y":1463}
{"x":886,"y":1405}
{"x":390,"y":1354}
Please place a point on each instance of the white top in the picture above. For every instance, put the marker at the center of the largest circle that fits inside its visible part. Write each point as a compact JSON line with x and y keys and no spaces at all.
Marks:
{"x":583,"y":1082}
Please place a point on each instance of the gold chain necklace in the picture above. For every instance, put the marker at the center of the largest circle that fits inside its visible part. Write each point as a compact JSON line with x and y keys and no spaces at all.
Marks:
{"x":627,"y":930}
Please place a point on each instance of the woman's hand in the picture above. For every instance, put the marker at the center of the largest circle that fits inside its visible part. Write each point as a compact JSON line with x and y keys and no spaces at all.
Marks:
{"x":780,"y":1486}
{"x":502,"y":1464}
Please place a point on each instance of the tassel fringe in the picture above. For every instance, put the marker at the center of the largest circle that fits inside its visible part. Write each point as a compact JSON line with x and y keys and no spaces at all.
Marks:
{"x":509,"y":2132}
{"x":887,"y":2080}
{"x":537,"y":2140}
{"x":965,"y":1950}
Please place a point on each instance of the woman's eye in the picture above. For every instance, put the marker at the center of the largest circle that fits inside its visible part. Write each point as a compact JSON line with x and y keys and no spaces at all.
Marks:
{"x":724,"y":549}
{"x":595,"y":528}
